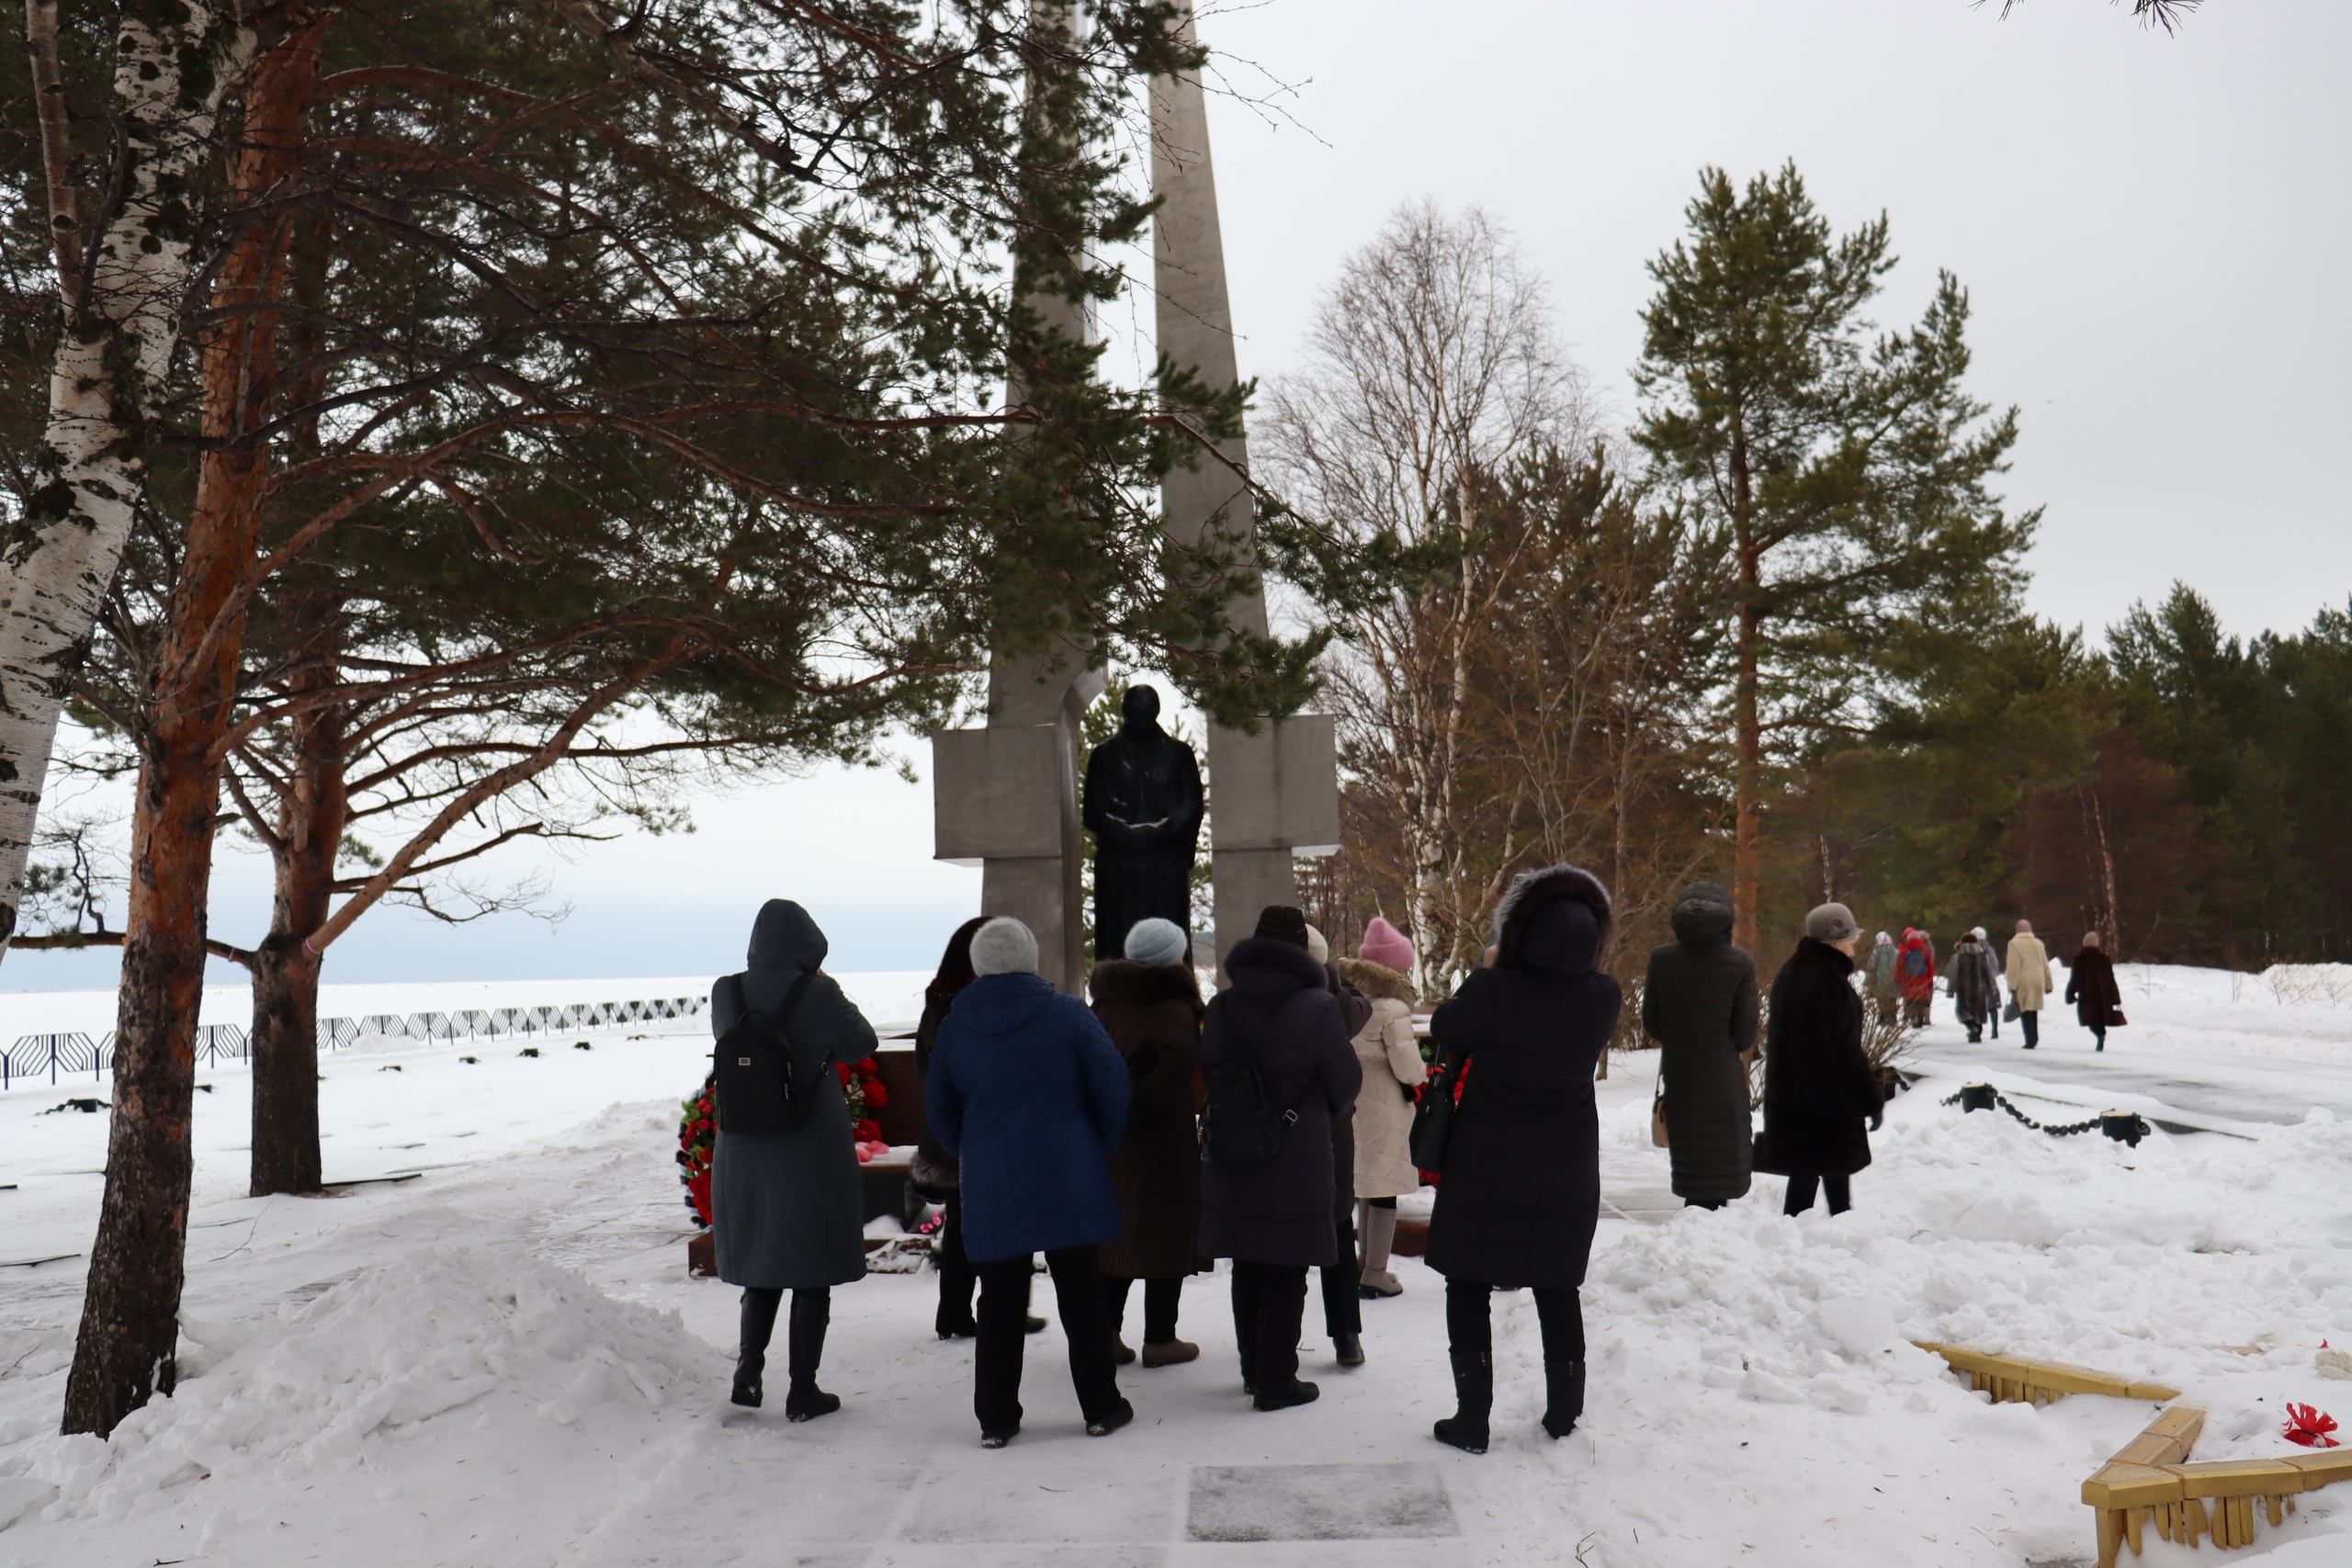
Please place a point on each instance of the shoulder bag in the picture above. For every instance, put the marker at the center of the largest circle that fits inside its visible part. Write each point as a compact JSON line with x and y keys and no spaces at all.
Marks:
{"x":1434,"y":1117}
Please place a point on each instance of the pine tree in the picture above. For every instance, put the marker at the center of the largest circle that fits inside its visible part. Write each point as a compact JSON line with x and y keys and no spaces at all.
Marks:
{"x":1847,"y":467}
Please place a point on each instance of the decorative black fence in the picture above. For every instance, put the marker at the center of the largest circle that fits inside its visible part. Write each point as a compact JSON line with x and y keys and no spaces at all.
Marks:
{"x":59,"y":1056}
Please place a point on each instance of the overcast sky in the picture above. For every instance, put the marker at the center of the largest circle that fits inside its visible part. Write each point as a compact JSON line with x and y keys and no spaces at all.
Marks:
{"x":2153,"y":229}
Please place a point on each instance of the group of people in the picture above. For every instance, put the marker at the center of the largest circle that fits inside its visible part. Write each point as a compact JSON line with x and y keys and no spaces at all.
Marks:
{"x":1072,"y":1131}
{"x":1903,"y":982}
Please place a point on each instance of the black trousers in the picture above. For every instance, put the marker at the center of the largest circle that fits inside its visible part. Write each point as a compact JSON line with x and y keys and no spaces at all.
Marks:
{"x":1839,"y":1189}
{"x":2032,"y":1022}
{"x":1269,"y":1305}
{"x":1470,"y":1326}
{"x":1085,"y":1310}
{"x":804,"y":1333}
{"x":957,"y":1279}
{"x":1343,"y":1277}
{"x":1160,"y":1299}
{"x":1342,"y":1282}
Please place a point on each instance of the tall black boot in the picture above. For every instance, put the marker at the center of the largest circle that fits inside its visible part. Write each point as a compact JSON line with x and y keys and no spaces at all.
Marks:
{"x":1563,"y":1395}
{"x":804,"y":1401}
{"x":1474,"y":1401}
{"x":758,"y":1324}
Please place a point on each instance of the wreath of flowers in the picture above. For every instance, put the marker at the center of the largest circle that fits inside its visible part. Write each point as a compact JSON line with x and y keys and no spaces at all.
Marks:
{"x":862,"y":1090}
{"x":862,"y":1087}
{"x":695,"y":1132}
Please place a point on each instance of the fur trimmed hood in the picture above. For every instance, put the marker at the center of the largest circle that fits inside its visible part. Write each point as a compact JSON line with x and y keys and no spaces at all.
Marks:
{"x":1121,"y":982}
{"x":1516,"y":916}
{"x":1378,"y":980}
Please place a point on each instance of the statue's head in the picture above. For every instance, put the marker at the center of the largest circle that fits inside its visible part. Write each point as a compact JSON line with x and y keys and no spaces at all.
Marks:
{"x":1141,"y":708}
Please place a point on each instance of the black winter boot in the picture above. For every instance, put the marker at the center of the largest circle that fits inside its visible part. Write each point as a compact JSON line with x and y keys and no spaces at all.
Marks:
{"x":1474,"y":1400}
{"x":757,"y":1327}
{"x":1564,"y":1397}
{"x":804,"y":1401}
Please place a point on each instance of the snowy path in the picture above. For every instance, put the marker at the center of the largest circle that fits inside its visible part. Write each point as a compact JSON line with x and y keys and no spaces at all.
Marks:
{"x":503,"y":1362}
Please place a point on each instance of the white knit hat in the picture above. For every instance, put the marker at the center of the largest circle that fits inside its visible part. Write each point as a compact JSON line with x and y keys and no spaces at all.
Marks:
{"x":1005,"y":946}
{"x":1155,"y":941}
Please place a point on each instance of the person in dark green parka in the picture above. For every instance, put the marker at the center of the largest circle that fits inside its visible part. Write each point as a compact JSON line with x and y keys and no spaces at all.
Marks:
{"x":1698,"y":1004}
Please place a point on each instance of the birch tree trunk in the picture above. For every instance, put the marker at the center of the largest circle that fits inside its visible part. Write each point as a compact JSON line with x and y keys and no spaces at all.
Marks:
{"x":127,"y":1348}
{"x":121,"y":295}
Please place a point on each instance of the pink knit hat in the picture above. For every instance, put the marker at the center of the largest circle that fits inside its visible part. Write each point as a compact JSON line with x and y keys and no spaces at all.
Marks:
{"x":1384,"y":943}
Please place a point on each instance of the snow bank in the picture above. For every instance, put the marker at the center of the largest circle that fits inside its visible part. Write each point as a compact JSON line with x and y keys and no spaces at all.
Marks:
{"x":443,"y":1332}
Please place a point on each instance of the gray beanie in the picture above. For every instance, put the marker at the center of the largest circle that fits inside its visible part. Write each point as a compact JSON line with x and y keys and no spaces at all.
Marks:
{"x":1005,"y":946}
{"x":1155,"y":941}
{"x":1830,"y":922}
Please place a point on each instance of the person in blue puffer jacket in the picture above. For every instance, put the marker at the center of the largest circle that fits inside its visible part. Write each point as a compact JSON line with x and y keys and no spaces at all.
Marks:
{"x":1030,"y":1095}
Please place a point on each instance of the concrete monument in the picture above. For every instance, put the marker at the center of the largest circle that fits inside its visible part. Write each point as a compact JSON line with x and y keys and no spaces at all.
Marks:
{"x":1006,"y":798}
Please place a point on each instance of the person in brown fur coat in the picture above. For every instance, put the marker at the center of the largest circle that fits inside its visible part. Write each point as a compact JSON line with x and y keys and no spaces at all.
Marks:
{"x":1151,"y":1003}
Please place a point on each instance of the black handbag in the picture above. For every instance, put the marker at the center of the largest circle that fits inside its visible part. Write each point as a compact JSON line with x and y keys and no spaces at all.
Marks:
{"x":1434,"y":1118}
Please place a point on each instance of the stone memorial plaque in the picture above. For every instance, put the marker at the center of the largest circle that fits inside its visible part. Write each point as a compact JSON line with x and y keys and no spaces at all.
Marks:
{"x":1318,"y":1502}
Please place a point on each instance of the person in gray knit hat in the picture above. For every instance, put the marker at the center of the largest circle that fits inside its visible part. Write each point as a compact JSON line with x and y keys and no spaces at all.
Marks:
{"x":1819,"y":1088}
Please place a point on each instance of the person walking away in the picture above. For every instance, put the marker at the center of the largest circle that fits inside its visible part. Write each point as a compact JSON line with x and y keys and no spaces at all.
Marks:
{"x":1916,"y":973}
{"x":933,"y":1169}
{"x":1885,"y":988}
{"x":1342,"y":1277}
{"x":1150,"y":1003}
{"x":1030,"y":1095}
{"x":787,"y":1209}
{"x":1821,"y":1094}
{"x":1522,"y":1188}
{"x":1993,"y":1018}
{"x":1388,"y":1053}
{"x":1698,"y":1004}
{"x":1274,"y":1218}
{"x":2090,"y":985}
{"x":1975,"y":985}
{"x":2030,"y":981}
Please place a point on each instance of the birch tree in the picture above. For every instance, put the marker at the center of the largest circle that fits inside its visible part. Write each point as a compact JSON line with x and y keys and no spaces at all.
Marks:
{"x":1433,"y":357}
{"x":119,"y":211}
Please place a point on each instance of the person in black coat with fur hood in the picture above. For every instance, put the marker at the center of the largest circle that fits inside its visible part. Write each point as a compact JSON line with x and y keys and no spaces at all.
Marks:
{"x":1821,"y":1094}
{"x":1275,"y":1218}
{"x":1521,"y":1191}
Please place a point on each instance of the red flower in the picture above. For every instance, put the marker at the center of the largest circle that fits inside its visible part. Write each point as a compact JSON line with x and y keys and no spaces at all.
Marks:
{"x":868,"y":1068}
{"x":869,"y":1131}
{"x":2309,"y":1427}
{"x":876,"y":1097}
{"x":842,"y":1068}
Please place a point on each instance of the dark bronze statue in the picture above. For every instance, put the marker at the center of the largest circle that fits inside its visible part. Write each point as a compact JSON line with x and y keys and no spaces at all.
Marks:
{"x":1144,"y":806}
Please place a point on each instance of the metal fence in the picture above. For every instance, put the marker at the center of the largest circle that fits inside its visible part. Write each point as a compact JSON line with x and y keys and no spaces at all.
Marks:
{"x":59,"y":1056}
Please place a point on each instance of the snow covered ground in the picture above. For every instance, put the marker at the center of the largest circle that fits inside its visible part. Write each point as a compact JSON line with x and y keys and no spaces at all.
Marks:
{"x":503,"y":1361}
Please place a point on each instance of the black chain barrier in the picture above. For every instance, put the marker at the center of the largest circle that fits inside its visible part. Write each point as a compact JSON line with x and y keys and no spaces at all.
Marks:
{"x":2122,"y":1126}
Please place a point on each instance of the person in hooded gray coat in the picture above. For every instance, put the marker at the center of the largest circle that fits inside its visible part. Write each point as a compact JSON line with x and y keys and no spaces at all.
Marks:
{"x":1698,"y":1004}
{"x":786,"y":1210}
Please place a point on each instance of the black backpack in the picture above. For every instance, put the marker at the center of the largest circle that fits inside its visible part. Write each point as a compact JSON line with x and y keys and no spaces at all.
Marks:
{"x":1238,"y":1125}
{"x":754,"y":1058}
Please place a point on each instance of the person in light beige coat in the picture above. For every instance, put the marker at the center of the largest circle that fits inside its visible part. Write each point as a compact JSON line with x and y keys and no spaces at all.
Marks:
{"x":1392,"y":1064}
{"x":2030,"y":981}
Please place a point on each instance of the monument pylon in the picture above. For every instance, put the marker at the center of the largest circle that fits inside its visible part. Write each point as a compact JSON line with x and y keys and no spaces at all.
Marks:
{"x":1274,"y":794}
{"x":1005,"y":797}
